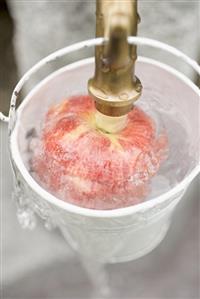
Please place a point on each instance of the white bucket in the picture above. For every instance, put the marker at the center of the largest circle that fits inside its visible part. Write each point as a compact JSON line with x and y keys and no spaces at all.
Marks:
{"x":115,"y":235}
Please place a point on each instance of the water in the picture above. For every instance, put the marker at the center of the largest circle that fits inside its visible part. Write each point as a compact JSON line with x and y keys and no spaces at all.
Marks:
{"x":177,"y":165}
{"x":181,"y":159}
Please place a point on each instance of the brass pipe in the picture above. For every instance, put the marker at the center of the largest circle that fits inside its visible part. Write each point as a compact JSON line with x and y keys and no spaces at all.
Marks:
{"x":114,"y":86}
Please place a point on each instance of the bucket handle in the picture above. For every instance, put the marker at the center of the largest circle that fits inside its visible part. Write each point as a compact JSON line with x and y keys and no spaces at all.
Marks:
{"x":85,"y":44}
{"x":4,"y":118}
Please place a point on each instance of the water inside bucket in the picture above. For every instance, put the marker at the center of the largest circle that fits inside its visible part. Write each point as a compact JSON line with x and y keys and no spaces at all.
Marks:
{"x":165,"y":101}
{"x":167,"y":173}
{"x":92,"y":168}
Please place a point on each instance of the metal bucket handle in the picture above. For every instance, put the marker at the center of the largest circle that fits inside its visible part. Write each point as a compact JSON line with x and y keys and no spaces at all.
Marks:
{"x":85,"y":44}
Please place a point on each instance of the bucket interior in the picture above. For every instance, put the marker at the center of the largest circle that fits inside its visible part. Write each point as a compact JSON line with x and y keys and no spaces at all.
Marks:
{"x":170,"y":98}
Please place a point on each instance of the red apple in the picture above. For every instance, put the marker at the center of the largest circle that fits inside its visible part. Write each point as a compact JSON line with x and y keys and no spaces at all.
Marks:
{"x":85,"y":166}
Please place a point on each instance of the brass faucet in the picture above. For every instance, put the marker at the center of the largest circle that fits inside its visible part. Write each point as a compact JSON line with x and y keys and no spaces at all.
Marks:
{"x":114,"y":86}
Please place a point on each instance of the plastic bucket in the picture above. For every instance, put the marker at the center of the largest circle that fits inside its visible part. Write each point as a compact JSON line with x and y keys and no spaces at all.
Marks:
{"x":115,"y":235}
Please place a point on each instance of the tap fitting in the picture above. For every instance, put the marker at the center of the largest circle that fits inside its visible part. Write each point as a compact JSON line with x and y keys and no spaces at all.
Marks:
{"x":114,"y":86}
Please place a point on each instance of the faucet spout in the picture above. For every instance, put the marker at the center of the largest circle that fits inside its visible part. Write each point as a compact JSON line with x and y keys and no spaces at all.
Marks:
{"x":114,"y":86}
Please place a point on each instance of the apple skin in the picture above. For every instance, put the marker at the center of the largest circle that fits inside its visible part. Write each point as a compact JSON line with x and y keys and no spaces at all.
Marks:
{"x":83,"y":165}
